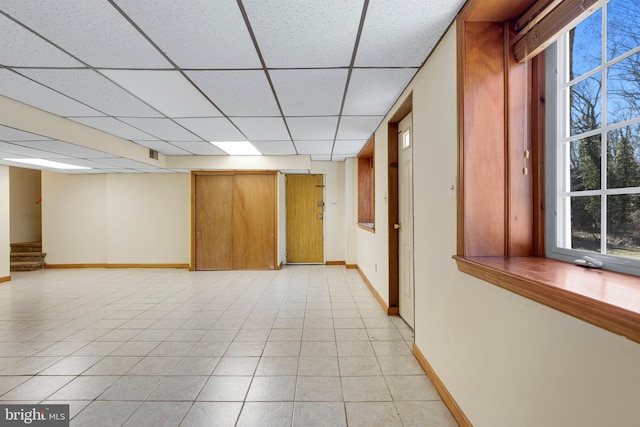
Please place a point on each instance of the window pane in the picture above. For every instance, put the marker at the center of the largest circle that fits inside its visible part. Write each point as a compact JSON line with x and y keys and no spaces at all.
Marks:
{"x":586,"y":109}
{"x":623,"y":157}
{"x":622,"y":27}
{"x":623,"y":225}
{"x":585,"y":46}
{"x":585,"y":223}
{"x":623,"y":89}
{"x":585,"y":163}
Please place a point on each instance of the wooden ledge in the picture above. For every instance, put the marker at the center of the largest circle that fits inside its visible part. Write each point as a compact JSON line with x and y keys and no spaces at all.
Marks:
{"x":603,"y":298}
{"x":368,"y":226}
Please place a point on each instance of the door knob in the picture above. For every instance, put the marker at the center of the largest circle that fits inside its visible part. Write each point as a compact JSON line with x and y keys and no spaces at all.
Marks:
{"x":396,"y":226}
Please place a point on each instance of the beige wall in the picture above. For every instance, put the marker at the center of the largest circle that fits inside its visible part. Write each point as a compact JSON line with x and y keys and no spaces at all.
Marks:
{"x":507,"y":360}
{"x":26,"y":212}
{"x":350,"y":211}
{"x":334,"y":201}
{"x":4,"y":222}
{"x":116,"y":219}
{"x":282,"y":219}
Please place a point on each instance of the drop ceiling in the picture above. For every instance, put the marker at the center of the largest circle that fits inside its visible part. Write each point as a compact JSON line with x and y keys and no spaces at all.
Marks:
{"x":293,"y":77}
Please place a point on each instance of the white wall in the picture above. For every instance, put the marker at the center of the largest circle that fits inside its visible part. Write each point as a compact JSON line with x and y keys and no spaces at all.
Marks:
{"x":350,"y":211}
{"x":116,"y":219}
{"x":334,"y":200}
{"x":4,"y":222}
{"x":26,"y":212}
{"x":507,"y":361}
{"x":282,"y":219}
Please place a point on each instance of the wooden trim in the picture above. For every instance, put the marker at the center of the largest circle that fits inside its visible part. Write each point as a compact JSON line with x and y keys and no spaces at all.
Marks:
{"x":461,"y":72}
{"x":192,"y":265}
{"x":603,"y":298}
{"x":5,"y":279}
{"x":367,"y":228}
{"x":447,"y":398}
{"x":335,"y":263}
{"x":375,"y":293}
{"x":59,"y":266}
{"x":351,"y":266}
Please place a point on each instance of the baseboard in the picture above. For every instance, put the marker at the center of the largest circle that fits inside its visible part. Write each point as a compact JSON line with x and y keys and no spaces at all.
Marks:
{"x":335,"y":263}
{"x":5,"y":279}
{"x":55,"y":266}
{"x":448,"y":400}
{"x":375,"y":293}
{"x":351,"y":266}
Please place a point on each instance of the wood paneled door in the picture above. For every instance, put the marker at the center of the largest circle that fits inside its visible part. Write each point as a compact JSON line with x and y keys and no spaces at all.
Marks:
{"x":305,"y":223}
{"x":234,"y":221}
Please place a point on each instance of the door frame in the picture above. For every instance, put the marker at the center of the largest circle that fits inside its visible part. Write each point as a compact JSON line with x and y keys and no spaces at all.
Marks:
{"x":394,"y":236}
{"x":192,"y":266}
{"x":286,"y":213}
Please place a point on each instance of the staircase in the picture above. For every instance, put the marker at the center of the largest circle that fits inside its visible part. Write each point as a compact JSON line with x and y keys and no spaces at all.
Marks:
{"x":27,"y":256}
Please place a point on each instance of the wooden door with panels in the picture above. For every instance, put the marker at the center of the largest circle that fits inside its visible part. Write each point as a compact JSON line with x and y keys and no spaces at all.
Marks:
{"x":234,"y":221}
{"x":305,"y":223}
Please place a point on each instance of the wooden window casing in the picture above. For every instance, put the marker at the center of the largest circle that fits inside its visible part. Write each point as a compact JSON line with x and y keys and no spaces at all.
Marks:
{"x":366,"y":186}
{"x":501,"y":178}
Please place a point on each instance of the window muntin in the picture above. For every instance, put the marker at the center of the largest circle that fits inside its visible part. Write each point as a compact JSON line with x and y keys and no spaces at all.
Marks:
{"x":597,"y":197}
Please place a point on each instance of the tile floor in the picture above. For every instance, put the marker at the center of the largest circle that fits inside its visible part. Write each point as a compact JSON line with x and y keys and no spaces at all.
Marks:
{"x":303,"y":346}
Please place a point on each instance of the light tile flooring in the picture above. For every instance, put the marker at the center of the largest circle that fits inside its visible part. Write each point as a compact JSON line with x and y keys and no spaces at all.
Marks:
{"x":303,"y":346}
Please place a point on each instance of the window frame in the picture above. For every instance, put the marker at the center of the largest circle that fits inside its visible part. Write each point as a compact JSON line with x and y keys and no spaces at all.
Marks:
{"x":557,"y":118}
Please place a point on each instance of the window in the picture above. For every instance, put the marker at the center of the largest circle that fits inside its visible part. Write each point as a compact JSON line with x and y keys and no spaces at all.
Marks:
{"x":366,"y":186}
{"x":596,"y":179}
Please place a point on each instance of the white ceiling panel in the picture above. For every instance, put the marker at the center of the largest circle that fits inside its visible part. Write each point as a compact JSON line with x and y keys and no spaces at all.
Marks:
{"x":212,"y":129}
{"x":275,"y":148}
{"x":165,"y":129}
{"x":22,"y":89}
{"x":321,"y":157}
{"x":91,"y":30}
{"x":121,"y":162}
{"x":10,"y":134}
{"x":314,"y":147}
{"x":312,"y":128}
{"x":401,"y":34}
{"x":238,"y":92}
{"x":349,"y":148}
{"x":373,"y":91}
{"x":112,"y":126}
{"x":167,"y":91}
{"x":262,"y":128}
{"x":163,"y":147}
{"x":16,"y":40}
{"x":21,"y":151}
{"x":309,"y":92}
{"x":358,"y":127}
{"x":93,"y":89}
{"x":64,"y":148}
{"x":201,"y":148}
{"x":290,"y":34}
{"x":203,"y":33}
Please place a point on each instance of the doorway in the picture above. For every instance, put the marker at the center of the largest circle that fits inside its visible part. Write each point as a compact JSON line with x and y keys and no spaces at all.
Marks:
{"x":405,"y":225}
{"x":305,"y":222}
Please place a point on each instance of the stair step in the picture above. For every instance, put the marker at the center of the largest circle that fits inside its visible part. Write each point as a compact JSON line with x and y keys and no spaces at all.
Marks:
{"x":26,"y":247}
{"x":25,"y":266}
{"x":28,"y":256}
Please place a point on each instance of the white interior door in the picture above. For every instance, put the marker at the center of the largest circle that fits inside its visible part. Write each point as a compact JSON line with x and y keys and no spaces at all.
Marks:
{"x":405,"y":214}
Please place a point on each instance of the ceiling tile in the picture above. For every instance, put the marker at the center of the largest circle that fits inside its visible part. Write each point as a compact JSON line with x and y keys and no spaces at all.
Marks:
{"x":163,"y":147}
{"x":290,"y":34}
{"x":262,"y":128}
{"x":22,"y":89}
{"x":212,"y":129}
{"x":348,"y":147}
{"x":275,"y":148}
{"x":401,"y":34}
{"x":167,"y":91}
{"x":112,"y":126}
{"x":10,"y":134}
{"x":201,"y":148}
{"x":121,"y":162}
{"x":309,"y":92}
{"x":204,"y":34}
{"x":321,"y":157}
{"x":165,"y":129}
{"x":238,"y":92}
{"x":93,"y":89}
{"x":92,"y":30}
{"x":358,"y":127}
{"x":312,"y":128}
{"x":314,"y":147}
{"x":373,"y":91}
{"x":16,"y":40}
{"x":20,"y":151}
{"x":339,"y":157}
{"x":65,"y":149}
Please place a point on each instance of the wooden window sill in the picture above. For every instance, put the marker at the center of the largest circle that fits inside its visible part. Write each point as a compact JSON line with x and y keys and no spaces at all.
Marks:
{"x":368,"y":226}
{"x":603,"y":298}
